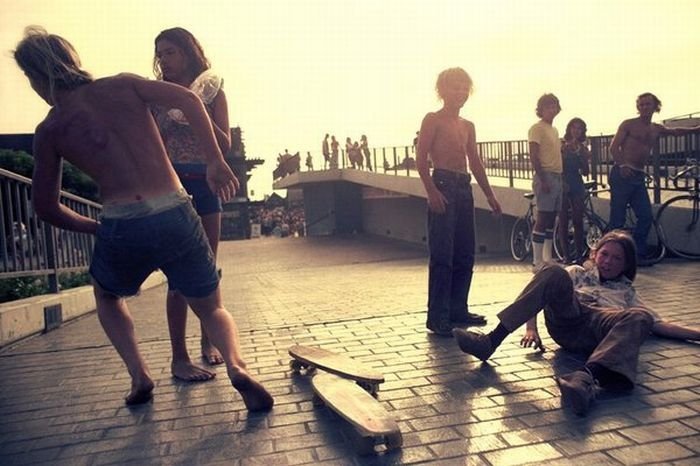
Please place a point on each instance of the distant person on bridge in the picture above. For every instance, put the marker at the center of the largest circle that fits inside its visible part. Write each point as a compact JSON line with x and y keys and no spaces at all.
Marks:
{"x":180,"y":59}
{"x":334,"y":152}
{"x":364,"y":148}
{"x":326,"y":152}
{"x":449,"y":141}
{"x":545,"y":156}
{"x":630,"y":149}
{"x":106,"y":129}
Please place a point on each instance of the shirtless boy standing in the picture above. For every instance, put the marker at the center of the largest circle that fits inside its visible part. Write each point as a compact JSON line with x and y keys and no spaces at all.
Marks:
{"x":105,"y":128}
{"x":450,"y":142}
{"x":630,"y":148}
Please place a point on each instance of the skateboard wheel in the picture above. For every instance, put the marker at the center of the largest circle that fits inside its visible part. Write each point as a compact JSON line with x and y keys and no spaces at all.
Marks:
{"x":372,"y":388}
{"x":394,"y":441}
{"x":296,"y":366}
{"x":365,"y":446}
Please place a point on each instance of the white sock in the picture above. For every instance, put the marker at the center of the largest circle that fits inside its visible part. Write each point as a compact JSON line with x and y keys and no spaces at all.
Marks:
{"x":547,"y":250}
{"x":537,"y":249}
{"x":538,"y":239}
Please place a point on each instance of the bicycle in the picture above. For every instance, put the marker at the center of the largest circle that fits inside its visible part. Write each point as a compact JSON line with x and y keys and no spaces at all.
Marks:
{"x":680,"y":215}
{"x":595,"y":226}
{"x":521,"y":233}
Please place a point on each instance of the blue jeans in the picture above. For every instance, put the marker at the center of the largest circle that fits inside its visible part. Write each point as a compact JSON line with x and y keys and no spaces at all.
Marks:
{"x":631,"y":191}
{"x":452,"y":243}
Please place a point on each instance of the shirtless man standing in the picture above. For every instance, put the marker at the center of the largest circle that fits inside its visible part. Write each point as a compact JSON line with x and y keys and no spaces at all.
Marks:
{"x":450,"y":142}
{"x":326,"y":152}
{"x":630,"y":148}
{"x":105,"y":128}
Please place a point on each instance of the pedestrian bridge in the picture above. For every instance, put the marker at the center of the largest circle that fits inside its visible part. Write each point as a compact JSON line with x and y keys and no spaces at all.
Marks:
{"x":348,"y":200}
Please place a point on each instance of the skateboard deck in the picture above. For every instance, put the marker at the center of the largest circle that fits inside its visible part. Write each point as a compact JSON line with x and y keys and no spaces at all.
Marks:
{"x":312,"y":357}
{"x":371,"y":421}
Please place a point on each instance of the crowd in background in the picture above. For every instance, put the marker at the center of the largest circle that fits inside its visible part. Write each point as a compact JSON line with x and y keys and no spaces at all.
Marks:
{"x":278,"y":221}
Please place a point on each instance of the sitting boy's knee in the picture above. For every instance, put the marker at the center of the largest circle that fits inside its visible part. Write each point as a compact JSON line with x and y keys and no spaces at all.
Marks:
{"x":554,"y":271}
{"x":643,"y":315}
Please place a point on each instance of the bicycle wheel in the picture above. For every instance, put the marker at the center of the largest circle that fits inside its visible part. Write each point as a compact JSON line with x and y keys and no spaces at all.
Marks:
{"x":679,"y":218}
{"x":592,"y":232}
{"x":656,"y":249}
{"x":595,"y":229}
{"x":520,"y":239}
{"x":559,"y":248}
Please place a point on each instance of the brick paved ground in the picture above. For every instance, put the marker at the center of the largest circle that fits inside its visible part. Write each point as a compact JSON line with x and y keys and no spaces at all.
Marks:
{"x":61,"y":393}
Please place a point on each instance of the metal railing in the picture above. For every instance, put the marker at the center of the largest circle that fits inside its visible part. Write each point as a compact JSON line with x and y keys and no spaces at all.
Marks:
{"x":30,"y":247}
{"x":511,"y":160}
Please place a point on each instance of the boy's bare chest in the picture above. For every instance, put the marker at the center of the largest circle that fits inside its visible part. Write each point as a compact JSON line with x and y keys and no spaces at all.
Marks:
{"x":643,"y":134}
{"x":452,"y":135}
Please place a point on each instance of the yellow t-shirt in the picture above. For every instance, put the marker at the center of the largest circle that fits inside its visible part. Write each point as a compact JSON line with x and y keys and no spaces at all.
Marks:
{"x":547,"y":137}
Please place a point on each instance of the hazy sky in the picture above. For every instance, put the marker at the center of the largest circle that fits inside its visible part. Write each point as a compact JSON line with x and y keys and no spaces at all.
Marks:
{"x":297,"y":69}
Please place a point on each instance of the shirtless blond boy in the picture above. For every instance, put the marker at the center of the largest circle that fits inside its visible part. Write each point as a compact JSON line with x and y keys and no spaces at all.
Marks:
{"x":630,"y":148}
{"x":450,"y":142}
{"x":105,"y":128}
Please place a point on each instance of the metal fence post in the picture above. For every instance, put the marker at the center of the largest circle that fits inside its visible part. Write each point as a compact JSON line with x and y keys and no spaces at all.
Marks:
{"x":656,"y":169}
{"x":408,"y":165}
{"x":510,"y":164}
{"x":50,"y":241}
{"x":595,"y":157}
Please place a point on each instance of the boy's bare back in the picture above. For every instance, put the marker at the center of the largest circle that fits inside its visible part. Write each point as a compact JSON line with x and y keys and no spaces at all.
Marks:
{"x":105,"y":128}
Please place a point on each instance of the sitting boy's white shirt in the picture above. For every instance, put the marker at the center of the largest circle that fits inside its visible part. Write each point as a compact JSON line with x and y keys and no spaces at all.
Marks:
{"x":616,"y":294}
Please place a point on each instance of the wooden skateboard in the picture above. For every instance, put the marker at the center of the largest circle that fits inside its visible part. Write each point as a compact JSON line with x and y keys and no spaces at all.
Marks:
{"x":371,"y":421}
{"x":310,"y":358}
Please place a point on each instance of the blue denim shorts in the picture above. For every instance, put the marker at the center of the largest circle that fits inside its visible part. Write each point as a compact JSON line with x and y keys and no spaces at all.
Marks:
{"x":128,"y":250}
{"x":193,"y":177}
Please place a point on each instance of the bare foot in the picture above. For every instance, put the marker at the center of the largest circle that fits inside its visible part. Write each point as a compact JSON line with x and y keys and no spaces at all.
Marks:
{"x":211,"y":355}
{"x":141,"y":392}
{"x":255,"y":397}
{"x":185,"y":370}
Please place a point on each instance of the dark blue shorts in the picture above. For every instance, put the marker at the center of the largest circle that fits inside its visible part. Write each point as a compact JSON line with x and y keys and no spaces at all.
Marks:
{"x":193,"y":177}
{"x":127,"y":251}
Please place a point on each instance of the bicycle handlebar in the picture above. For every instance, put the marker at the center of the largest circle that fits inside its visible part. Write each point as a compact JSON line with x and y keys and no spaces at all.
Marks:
{"x":689,"y":172}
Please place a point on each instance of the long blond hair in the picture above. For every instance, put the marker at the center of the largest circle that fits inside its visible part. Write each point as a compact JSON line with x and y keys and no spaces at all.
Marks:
{"x":51,"y":60}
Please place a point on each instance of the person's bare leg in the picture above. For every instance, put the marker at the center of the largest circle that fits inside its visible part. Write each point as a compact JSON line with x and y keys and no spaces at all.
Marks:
{"x":577,"y":208}
{"x":223,"y":332}
{"x":181,"y":366}
{"x":117,"y":324}
{"x":212,"y":228}
{"x":680,"y":332}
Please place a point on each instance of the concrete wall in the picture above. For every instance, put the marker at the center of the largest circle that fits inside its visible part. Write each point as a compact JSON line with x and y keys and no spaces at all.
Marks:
{"x":331,"y":208}
{"x":348,"y":207}
{"x":399,"y":218}
{"x":404,"y":218}
{"x":25,"y":317}
{"x":319,"y":209}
